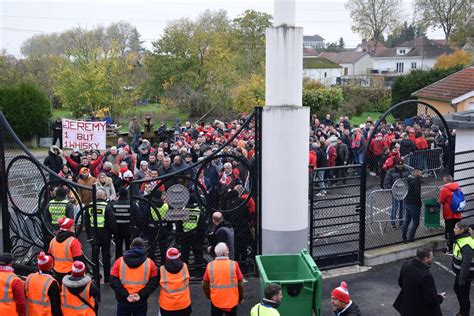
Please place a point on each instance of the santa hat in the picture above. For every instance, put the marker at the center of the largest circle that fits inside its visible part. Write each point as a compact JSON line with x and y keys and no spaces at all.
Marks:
{"x":341,"y":293}
{"x":78,"y":269}
{"x":45,"y":262}
{"x":172,"y":254}
{"x":65,"y":223}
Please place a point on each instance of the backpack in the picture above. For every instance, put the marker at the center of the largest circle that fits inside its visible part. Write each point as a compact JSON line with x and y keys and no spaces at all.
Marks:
{"x":458,"y":203}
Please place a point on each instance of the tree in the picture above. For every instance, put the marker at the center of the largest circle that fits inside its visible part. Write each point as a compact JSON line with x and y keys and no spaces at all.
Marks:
{"x":249,"y":41}
{"x":341,"y":44}
{"x":249,"y":93}
{"x":373,"y":18}
{"x":404,"y":33}
{"x":449,"y":15}
{"x":458,"y":58}
{"x":26,"y":108}
{"x":321,"y":99}
{"x":90,"y":85}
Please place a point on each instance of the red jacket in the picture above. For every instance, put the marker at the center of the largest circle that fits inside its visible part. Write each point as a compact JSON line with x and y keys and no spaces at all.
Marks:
{"x":331,"y":156}
{"x":376,"y":147}
{"x":93,"y":165}
{"x":421,"y":143}
{"x":445,"y":198}
{"x":387,"y":140}
{"x":18,"y":290}
{"x":313,"y":160}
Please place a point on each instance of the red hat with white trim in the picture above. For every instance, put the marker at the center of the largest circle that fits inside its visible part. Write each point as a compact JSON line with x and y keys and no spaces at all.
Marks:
{"x":341,"y":293}
{"x":65,"y":223}
{"x":173,"y":254}
{"x":45,"y":262}
{"x":78,"y":269}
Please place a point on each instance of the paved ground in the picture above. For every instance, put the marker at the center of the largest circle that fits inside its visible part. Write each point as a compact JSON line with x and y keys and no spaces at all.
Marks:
{"x":374,"y":291}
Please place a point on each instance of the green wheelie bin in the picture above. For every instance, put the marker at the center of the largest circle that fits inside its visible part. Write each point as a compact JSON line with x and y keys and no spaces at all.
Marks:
{"x":300,"y":280}
{"x":432,"y":212}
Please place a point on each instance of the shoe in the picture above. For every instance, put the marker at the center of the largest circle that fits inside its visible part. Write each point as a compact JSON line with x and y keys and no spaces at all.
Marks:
{"x":320,"y":193}
{"x":448,"y":253}
{"x":373,"y":174}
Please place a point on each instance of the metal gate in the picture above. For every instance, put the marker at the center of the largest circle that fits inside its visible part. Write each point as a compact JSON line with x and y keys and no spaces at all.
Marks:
{"x":337,"y":216}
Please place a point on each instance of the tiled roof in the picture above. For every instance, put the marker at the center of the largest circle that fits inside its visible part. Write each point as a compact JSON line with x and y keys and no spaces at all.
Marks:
{"x":319,"y":63}
{"x":309,"y":51}
{"x":422,"y":47}
{"x":343,"y":57}
{"x":369,"y":46}
{"x":449,"y":88}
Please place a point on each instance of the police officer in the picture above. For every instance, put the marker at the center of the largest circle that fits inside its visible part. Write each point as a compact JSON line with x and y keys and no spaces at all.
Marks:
{"x":59,"y":207}
{"x":154,"y":217}
{"x":106,"y":227}
{"x":463,"y":266}
{"x":175,"y":298}
{"x":42,"y":290}
{"x":65,"y":249}
{"x":193,"y":235}
{"x":269,"y":304}
{"x":11,"y":289}
{"x":78,"y":293}
{"x":124,"y":219}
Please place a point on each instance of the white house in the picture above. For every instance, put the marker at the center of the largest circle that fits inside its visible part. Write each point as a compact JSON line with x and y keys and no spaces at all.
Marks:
{"x":322,"y":70}
{"x":313,"y":41}
{"x":353,"y":63}
{"x":420,"y":53}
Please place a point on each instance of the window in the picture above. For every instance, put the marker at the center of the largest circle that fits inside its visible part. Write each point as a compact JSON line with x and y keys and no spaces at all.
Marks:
{"x":346,"y":71}
{"x":325,"y":74}
{"x":400,"y":67}
{"x":413,"y":65}
{"x":401,"y":52}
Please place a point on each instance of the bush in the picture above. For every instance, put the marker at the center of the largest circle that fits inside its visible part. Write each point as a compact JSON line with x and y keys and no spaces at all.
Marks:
{"x":26,"y":108}
{"x":321,"y":99}
{"x":359,"y":99}
{"x":404,"y":86}
{"x":248,"y":94}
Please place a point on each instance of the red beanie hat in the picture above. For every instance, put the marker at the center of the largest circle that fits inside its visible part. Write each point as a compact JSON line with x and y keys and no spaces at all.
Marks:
{"x":45,"y":263}
{"x":172,"y":254}
{"x":341,"y":293}
{"x":78,"y":269}
{"x":65,"y":223}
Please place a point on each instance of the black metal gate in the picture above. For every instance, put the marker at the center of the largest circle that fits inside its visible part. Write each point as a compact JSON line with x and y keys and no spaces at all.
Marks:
{"x":337,"y":216}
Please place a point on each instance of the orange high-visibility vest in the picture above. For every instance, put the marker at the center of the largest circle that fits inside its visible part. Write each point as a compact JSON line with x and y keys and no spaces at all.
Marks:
{"x":174,"y":294}
{"x":7,"y":304}
{"x":71,"y":305}
{"x":37,"y":298}
{"x":134,"y":279}
{"x":223,"y":283}
{"x":62,"y":255}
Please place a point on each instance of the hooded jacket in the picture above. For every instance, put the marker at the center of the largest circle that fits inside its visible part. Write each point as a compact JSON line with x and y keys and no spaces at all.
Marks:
{"x":75,"y":285}
{"x":133,"y":258}
{"x":53,"y":161}
{"x":446,"y":197}
{"x":224,"y":232}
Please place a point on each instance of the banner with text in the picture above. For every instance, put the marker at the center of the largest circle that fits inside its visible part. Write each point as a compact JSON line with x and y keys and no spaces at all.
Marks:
{"x":84,"y":135}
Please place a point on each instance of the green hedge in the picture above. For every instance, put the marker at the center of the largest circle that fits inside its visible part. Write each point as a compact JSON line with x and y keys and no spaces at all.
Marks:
{"x":359,"y":99}
{"x":26,"y":108}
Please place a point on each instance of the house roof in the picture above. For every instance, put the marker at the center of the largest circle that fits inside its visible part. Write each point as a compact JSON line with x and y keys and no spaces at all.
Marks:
{"x":453,"y":88}
{"x":312,"y":38}
{"x":309,"y":51}
{"x":369,"y":46}
{"x":319,"y":63}
{"x":421,"y":46}
{"x":343,"y":57}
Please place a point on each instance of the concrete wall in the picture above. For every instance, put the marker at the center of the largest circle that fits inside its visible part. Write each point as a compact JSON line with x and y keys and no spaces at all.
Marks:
{"x":464,"y":106}
{"x":390,"y":63}
{"x":362,"y":65}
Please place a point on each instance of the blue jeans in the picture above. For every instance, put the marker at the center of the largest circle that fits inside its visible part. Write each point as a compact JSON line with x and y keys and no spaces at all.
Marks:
{"x":359,"y":157}
{"x":397,"y":206}
{"x":412,"y":213}
{"x":320,"y":178}
{"x":131,"y":310}
{"x":134,"y":142}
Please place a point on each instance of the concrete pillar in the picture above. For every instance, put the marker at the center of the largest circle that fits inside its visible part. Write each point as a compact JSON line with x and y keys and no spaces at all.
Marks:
{"x":285,"y":136}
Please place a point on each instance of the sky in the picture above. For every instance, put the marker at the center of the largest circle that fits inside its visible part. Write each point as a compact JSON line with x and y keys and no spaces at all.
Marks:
{"x":20,"y":20}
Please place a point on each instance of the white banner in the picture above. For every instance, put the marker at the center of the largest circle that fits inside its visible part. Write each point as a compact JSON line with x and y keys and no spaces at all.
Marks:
{"x":84,"y":135}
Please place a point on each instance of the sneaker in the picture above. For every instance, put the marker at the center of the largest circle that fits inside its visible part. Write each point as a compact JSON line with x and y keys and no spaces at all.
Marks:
{"x":373,"y":174}
{"x":448,"y":253}
{"x":320,"y":193}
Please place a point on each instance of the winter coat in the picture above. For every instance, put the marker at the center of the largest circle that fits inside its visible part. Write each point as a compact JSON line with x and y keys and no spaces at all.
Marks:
{"x":395,"y":174}
{"x":342,"y":154}
{"x":331,"y":154}
{"x":445,"y":199}
{"x":351,"y":310}
{"x":418,"y":295}
{"x":53,"y":161}
{"x":108,"y":187}
{"x":406,"y":147}
{"x":322,"y":158}
{"x":376,"y":147}
{"x":84,"y":194}
{"x":104,"y":234}
{"x":414,"y":191}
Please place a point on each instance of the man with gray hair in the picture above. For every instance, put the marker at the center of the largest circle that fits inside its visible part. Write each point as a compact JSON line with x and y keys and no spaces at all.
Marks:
{"x":223,"y":283}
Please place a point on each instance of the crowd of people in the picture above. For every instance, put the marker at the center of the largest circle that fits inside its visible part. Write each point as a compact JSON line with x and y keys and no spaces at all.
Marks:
{"x":337,"y":143}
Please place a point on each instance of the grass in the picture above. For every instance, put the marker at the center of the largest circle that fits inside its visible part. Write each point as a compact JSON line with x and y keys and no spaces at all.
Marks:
{"x":158,"y":114}
{"x":357,"y":120}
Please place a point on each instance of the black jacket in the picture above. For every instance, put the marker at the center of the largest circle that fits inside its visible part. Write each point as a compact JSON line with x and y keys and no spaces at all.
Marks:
{"x":352,"y":310}
{"x":221,"y":234}
{"x":342,"y":154}
{"x":466,"y":254}
{"x":406,"y":147}
{"x":53,"y":162}
{"x":395,"y":174}
{"x":322,"y":158}
{"x":133,"y":258}
{"x":104,"y":234}
{"x":418,"y":296}
{"x":414,"y":191}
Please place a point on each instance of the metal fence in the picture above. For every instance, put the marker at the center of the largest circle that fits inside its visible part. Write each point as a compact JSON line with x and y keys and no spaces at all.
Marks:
{"x":428,"y":161}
